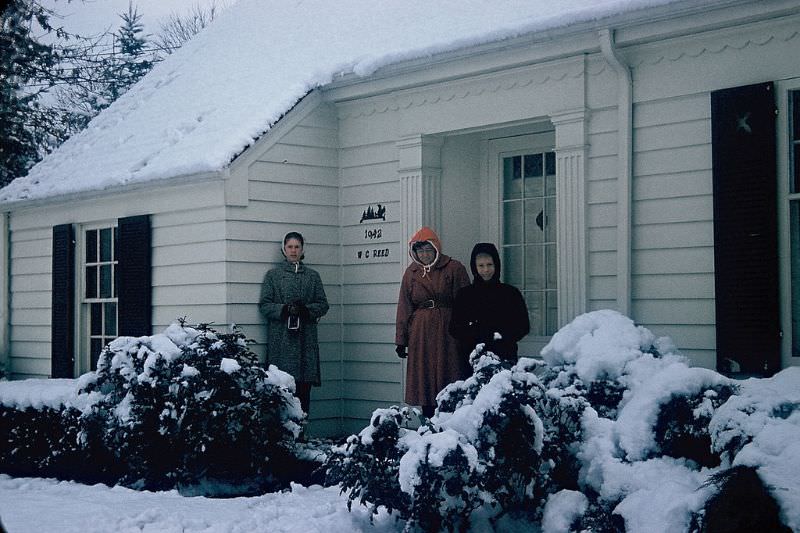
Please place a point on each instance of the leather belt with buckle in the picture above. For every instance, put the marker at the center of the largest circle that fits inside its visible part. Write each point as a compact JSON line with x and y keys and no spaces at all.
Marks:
{"x":430,"y":304}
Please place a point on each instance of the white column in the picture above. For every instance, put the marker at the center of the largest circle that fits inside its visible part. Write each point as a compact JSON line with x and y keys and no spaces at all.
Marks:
{"x":420,"y":173}
{"x":571,"y":247}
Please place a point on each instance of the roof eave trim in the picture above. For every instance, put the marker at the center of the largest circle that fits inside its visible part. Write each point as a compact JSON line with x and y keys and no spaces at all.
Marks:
{"x":100,"y":194}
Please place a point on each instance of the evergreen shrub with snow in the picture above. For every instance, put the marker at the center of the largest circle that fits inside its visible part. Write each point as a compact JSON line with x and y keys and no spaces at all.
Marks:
{"x":189,"y":405}
{"x":611,"y":431}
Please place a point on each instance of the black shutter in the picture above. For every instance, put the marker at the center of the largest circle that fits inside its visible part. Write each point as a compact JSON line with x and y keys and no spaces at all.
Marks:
{"x":745,"y":229}
{"x":62,"y":342}
{"x":134,"y":289}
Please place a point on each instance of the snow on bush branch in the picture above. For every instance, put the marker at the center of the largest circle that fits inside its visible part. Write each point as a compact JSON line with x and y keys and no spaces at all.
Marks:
{"x":611,"y":431}
{"x":180,"y":407}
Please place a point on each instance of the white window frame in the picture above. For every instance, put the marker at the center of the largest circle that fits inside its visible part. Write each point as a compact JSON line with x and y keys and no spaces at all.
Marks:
{"x":82,"y":304}
{"x":785,"y":197}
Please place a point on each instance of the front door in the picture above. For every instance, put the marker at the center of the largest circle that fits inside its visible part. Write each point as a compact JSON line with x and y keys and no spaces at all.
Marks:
{"x":524,"y":170}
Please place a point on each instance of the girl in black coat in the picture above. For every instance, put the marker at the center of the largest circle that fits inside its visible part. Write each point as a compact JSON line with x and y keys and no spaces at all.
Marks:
{"x":487,"y":307}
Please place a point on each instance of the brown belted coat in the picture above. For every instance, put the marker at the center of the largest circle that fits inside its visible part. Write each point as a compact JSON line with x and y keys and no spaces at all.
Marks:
{"x":424,"y":309}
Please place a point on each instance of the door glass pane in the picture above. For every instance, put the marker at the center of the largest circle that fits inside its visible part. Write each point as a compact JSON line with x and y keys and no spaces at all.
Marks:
{"x":795,"y":103}
{"x":512,"y":174}
{"x":534,"y":267}
{"x":551,"y":266}
{"x":105,"y":281}
{"x":534,"y":182}
{"x":116,"y":243}
{"x":550,"y":220}
{"x":91,"y":246}
{"x":552,"y":312}
{"x":512,"y":265}
{"x":534,"y":221}
{"x":91,"y":282}
{"x":550,"y":163}
{"x":105,"y":244}
{"x":110,"y":328}
{"x":535,"y":312}
{"x":512,"y":222}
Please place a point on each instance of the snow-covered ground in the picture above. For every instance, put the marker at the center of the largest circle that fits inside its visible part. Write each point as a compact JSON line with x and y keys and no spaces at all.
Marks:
{"x":34,"y":505}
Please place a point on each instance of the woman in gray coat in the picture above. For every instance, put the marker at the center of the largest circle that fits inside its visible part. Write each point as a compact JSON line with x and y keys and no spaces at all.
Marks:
{"x":292,"y":302}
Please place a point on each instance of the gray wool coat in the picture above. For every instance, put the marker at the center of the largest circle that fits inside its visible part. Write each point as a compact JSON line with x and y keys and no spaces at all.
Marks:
{"x":295,"y":352}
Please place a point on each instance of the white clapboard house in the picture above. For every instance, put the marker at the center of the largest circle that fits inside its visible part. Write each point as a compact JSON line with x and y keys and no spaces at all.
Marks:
{"x":640,"y":155}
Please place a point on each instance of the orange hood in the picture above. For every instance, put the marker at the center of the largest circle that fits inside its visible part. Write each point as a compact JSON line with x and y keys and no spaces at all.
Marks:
{"x":425,"y":234}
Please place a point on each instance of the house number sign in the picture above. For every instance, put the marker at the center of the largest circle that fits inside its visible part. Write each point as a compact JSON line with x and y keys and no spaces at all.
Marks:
{"x":372,"y":234}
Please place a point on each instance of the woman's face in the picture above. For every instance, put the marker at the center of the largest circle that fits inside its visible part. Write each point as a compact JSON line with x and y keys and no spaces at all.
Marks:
{"x":484,"y":264}
{"x":426,"y":254}
{"x":293,"y":250}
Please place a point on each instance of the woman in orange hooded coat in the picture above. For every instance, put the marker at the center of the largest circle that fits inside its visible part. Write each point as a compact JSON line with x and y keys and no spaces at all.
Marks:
{"x":424,"y":309}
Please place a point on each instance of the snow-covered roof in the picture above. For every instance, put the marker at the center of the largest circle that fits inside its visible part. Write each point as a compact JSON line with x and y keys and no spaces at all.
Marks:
{"x":200,"y":107}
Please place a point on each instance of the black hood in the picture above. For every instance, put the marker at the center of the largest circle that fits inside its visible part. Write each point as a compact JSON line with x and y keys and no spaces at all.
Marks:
{"x":488,"y":249}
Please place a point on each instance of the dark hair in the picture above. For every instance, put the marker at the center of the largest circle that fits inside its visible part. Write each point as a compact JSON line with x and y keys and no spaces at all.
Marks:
{"x":293,"y":235}
{"x":418,"y":245}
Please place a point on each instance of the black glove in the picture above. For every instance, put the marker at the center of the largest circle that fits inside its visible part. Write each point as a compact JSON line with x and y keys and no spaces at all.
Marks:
{"x":302,"y":311}
{"x":294,"y":308}
{"x":285,"y":311}
{"x":401,"y":351}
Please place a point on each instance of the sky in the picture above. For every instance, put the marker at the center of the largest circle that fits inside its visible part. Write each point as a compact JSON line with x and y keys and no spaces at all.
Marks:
{"x":91,"y":17}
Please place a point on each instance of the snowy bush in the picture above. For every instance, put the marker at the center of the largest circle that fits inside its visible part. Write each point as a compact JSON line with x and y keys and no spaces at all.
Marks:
{"x":188,"y":405}
{"x":367,"y":465}
{"x":613,"y":431}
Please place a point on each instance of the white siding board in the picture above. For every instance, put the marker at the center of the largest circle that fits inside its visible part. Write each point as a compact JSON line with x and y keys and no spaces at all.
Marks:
{"x":188,"y":254}
{"x":689,"y":158}
{"x":373,"y":353}
{"x":31,"y":300}
{"x":270,"y":234}
{"x":673,"y":312}
{"x":281,"y":172}
{"x":188,"y":233}
{"x":368,"y":333}
{"x":386,"y":193}
{"x":31,"y":265}
{"x":669,"y":136}
{"x":318,"y":137}
{"x":29,"y":367}
{"x":29,"y":317}
{"x":371,"y":371}
{"x":295,"y":193}
{"x":191,"y":274}
{"x":602,"y":263}
{"x":31,"y":333}
{"x":372,"y":273}
{"x":369,"y":314}
{"x":31,"y":282}
{"x":371,"y":390}
{"x":295,"y":213}
{"x":31,"y":234}
{"x":602,"y":287}
{"x":377,"y":173}
{"x":32,"y":248}
{"x":601,"y":215}
{"x":681,"y":108}
{"x":187,"y":217}
{"x":208,"y":293}
{"x":300,"y":155}
{"x":602,"y":168}
{"x":372,"y":293}
{"x":682,"y":184}
{"x":368,"y":154}
{"x":678,"y":235}
{"x":672,"y":286}
{"x":603,"y":144}
{"x":602,"y":239}
{"x":674,"y":261}
{"x":359,"y":412}
{"x":673,"y":210}
{"x":602,"y":191}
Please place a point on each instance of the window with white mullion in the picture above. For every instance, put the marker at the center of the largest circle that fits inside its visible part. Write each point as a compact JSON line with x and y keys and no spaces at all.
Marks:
{"x":99,"y":295}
